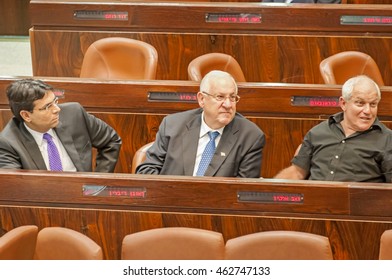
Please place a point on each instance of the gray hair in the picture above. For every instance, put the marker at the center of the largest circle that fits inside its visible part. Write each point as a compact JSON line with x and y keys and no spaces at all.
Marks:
{"x":348,"y":86}
{"x":209,"y":79}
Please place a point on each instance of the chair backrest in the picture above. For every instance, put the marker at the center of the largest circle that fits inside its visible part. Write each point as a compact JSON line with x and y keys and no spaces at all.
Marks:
{"x":59,"y":243}
{"x":279,"y":245}
{"x":19,"y":243}
{"x":203,"y":64}
{"x":140,"y":156}
{"x":120,"y":58}
{"x":386,"y":245}
{"x":173,"y":243}
{"x":339,"y":67}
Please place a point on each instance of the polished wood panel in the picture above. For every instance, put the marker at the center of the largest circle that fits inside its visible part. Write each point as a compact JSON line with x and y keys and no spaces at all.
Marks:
{"x":287,"y":46}
{"x":214,"y":195}
{"x":329,"y":208}
{"x":15,"y":17}
{"x":155,"y":16}
{"x":275,"y":58}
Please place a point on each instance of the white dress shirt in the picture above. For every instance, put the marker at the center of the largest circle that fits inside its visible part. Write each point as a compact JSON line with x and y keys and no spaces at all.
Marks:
{"x":42,"y":145}
{"x":203,"y":140}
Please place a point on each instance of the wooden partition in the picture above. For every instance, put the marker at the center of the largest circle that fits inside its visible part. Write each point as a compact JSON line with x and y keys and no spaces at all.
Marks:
{"x":272,"y":43}
{"x":107,"y":207}
{"x":15,"y":17}
{"x":285,"y":112}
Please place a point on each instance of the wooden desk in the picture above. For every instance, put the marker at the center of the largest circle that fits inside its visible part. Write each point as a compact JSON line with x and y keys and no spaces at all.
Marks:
{"x":286,"y":45}
{"x":352,"y":215}
{"x":126,"y":107}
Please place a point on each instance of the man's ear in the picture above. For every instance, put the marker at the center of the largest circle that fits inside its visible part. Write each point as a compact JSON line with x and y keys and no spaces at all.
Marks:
{"x":200,"y":99}
{"x":342,"y":103}
{"x":25,"y":115}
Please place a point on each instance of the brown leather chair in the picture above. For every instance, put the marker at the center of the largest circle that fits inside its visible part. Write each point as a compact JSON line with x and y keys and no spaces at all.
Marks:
{"x":279,"y":245}
{"x":19,"y":243}
{"x":173,"y":243}
{"x":140,"y":156}
{"x":203,"y":64}
{"x":59,"y":243}
{"x":120,"y":58}
{"x":338,"y":68}
{"x":386,"y":245}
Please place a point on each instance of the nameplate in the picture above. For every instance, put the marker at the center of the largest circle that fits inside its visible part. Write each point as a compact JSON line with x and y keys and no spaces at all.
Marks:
{"x":315,"y":101}
{"x":233,"y":18}
{"x":113,"y":191}
{"x":366,"y":20}
{"x":270,"y":197}
{"x":166,"y":96}
{"x":100,"y":15}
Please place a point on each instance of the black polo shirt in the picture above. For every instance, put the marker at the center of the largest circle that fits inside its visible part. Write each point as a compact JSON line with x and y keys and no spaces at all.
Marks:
{"x":328,"y":155}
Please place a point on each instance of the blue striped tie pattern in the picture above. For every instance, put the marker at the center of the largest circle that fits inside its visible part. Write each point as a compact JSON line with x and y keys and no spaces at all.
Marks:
{"x":208,"y":153}
{"x":53,"y":153}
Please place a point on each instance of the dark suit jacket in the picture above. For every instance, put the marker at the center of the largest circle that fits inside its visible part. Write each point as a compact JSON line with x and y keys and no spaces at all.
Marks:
{"x":238,"y":154}
{"x":78,"y":132}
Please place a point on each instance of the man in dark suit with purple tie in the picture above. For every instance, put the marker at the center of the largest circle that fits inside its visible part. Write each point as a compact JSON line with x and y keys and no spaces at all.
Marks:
{"x":41,"y":127}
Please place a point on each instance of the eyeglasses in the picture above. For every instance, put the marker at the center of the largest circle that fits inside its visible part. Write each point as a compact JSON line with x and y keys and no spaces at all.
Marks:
{"x":219,"y":98}
{"x":49,"y":106}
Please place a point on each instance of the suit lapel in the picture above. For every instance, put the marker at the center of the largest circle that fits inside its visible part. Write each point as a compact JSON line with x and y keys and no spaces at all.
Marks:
{"x":69,"y":145}
{"x":189,"y":144}
{"x":225,"y":147}
{"x":32,"y":147}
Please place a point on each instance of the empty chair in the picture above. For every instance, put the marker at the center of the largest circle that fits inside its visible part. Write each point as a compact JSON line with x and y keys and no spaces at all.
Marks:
{"x":203,"y":64}
{"x":59,"y":243}
{"x":386,"y":245}
{"x":19,"y":243}
{"x":279,"y":245}
{"x":173,"y":243}
{"x":339,"y":67}
{"x":120,"y":58}
{"x":140,"y":156}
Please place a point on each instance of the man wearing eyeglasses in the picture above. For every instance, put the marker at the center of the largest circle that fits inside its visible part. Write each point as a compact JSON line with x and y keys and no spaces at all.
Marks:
{"x":45,"y":135}
{"x":212,"y":140}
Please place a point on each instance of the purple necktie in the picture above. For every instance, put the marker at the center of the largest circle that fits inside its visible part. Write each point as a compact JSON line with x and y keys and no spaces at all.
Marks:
{"x":53,"y":153}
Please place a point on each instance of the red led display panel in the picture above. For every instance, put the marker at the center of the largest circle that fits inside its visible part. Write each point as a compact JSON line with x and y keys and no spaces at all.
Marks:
{"x":366,"y":20}
{"x":100,"y":15}
{"x":233,"y":18}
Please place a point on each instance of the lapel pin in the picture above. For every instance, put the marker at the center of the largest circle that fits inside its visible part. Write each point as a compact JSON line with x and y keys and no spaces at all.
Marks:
{"x":223,"y":154}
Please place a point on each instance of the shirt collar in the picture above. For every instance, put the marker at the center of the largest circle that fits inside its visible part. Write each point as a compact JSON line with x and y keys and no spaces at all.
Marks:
{"x":338,"y":117}
{"x":38,"y":136}
{"x":204,"y":129}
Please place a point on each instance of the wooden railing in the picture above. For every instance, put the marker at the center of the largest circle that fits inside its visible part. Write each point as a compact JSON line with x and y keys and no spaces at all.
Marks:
{"x":106,"y":207}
